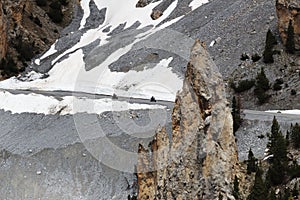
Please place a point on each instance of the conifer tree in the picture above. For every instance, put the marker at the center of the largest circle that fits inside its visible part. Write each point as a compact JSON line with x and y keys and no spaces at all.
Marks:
{"x":290,"y":41}
{"x":278,"y":167}
{"x":251,"y":165}
{"x":268,"y":52}
{"x":258,"y":191}
{"x":236,"y":114}
{"x":287,"y":138}
{"x":262,"y":85}
{"x":295,"y":135}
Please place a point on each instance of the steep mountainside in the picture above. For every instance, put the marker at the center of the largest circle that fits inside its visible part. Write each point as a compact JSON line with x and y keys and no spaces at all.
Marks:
{"x":71,"y":124}
{"x":26,"y":29}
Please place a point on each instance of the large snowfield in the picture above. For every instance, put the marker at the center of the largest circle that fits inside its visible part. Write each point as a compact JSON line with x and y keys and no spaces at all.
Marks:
{"x":70,"y":74}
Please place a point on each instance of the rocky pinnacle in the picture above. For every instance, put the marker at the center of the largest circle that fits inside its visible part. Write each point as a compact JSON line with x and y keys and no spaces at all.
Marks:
{"x":199,"y":159}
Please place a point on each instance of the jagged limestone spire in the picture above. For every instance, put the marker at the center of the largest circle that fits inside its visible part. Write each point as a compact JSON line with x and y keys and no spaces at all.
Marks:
{"x":200,"y":160}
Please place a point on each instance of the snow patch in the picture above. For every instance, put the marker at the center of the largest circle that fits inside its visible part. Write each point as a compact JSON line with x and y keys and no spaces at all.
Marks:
{"x":31,"y":76}
{"x":292,"y":112}
{"x":37,"y":103}
{"x":51,"y":51}
{"x":85,"y":5}
{"x":197,"y":3}
{"x":70,"y":75}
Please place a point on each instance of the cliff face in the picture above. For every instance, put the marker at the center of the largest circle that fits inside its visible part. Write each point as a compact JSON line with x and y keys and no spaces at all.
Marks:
{"x":3,"y":37}
{"x":200,"y":160}
{"x":288,"y":10}
{"x":27,"y":30}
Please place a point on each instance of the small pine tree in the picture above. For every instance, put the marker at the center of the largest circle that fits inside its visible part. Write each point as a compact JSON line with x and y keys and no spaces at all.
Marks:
{"x":236,"y":114}
{"x":262,"y":85}
{"x":290,"y":41}
{"x":258,"y":191}
{"x":295,"y":135}
{"x":278,"y":145}
{"x":268,"y":52}
{"x":236,"y":192}
{"x":251,"y":165}
{"x":278,"y":167}
{"x":287,"y":138}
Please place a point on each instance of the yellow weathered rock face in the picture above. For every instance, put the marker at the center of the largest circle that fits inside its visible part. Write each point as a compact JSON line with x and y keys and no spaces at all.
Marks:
{"x":200,"y":160}
{"x":288,"y":10}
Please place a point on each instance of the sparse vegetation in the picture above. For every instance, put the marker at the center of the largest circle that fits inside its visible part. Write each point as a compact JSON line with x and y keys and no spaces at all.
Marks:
{"x":41,"y":3}
{"x":8,"y":67}
{"x":261,"y":87}
{"x":55,"y":12}
{"x":255,"y":57}
{"x":24,"y":49}
{"x":293,"y":92}
{"x":277,"y":85}
{"x":243,"y":85}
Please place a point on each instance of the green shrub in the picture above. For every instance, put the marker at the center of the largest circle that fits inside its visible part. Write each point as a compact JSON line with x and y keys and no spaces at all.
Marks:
{"x":244,"y":57}
{"x":294,"y":170}
{"x":55,"y":12}
{"x":277,"y":85}
{"x":8,"y":66}
{"x":56,"y":5}
{"x":244,"y":85}
{"x":25,"y":50}
{"x":255,"y":57}
{"x":293,"y":92}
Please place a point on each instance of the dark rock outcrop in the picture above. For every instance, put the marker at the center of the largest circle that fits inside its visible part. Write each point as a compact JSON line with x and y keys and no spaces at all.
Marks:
{"x":27,"y":30}
{"x":200,"y":159}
